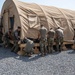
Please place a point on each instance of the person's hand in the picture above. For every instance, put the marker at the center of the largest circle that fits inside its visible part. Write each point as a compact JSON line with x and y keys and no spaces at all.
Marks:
{"x":19,"y":42}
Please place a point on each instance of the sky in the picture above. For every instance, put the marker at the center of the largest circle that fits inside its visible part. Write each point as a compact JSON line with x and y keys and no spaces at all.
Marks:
{"x":66,"y":4}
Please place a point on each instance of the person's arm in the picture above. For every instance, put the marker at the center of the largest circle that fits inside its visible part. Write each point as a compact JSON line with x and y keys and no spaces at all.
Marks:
{"x":16,"y":35}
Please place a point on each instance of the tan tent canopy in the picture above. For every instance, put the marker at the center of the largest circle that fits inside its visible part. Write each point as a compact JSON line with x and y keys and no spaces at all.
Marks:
{"x":31,"y":16}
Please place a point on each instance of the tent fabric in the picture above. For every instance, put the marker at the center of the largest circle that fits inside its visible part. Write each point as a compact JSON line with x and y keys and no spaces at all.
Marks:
{"x":30,"y":16}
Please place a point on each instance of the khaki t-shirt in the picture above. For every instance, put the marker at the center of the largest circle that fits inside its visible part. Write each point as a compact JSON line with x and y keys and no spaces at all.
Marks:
{"x":51,"y":33}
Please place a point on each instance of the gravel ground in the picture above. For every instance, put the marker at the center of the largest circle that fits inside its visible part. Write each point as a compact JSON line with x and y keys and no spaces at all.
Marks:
{"x":54,"y":64}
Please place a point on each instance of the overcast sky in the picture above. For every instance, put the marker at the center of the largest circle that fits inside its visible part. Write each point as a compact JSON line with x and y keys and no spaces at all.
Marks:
{"x":66,"y":4}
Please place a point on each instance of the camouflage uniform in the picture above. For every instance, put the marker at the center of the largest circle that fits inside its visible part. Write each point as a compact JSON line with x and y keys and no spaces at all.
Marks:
{"x":50,"y":40}
{"x":43,"y":40}
{"x":29,"y":46}
{"x":15,"y":47}
{"x":7,"y":37}
{"x":59,"y":39}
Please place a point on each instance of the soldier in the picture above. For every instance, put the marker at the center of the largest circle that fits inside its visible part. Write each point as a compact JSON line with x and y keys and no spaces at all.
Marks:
{"x":59,"y":39}
{"x":50,"y":40}
{"x":7,"y":37}
{"x":29,"y":46}
{"x":17,"y":34}
{"x":43,"y":40}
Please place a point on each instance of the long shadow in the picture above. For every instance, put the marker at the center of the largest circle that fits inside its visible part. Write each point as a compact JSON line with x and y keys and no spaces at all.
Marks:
{"x":71,"y":52}
{"x":28,"y":59}
{"x":6,"y":53}
{"x":55,"y":53}
{"x":34,"y":57}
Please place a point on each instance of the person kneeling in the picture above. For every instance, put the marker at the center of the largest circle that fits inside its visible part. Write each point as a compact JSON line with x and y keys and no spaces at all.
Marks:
{"x":29,"y":47}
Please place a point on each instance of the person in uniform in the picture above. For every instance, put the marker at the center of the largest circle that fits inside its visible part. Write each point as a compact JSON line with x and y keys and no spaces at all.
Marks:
{"x":29,"y":46}
{"x":17,"y":34}
{"x":50,"y":40}
{"x":59,"y":39}
{"x":7,"y":37}
{"x":43,"y":40}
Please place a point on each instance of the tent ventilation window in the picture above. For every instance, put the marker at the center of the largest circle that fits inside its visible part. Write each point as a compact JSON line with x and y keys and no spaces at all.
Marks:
{"x":12,"y":22}
{"x":1,"y":21}
{"x":33,"y":20}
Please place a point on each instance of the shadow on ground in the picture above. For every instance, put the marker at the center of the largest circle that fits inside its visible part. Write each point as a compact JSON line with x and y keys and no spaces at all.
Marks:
{"x":71,"y":52}
{"x":28,"y":59}
{"x":6,"y":53}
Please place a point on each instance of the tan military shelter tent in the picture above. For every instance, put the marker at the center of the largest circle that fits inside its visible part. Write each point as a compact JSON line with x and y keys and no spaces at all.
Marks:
{"x":31,"y":16}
